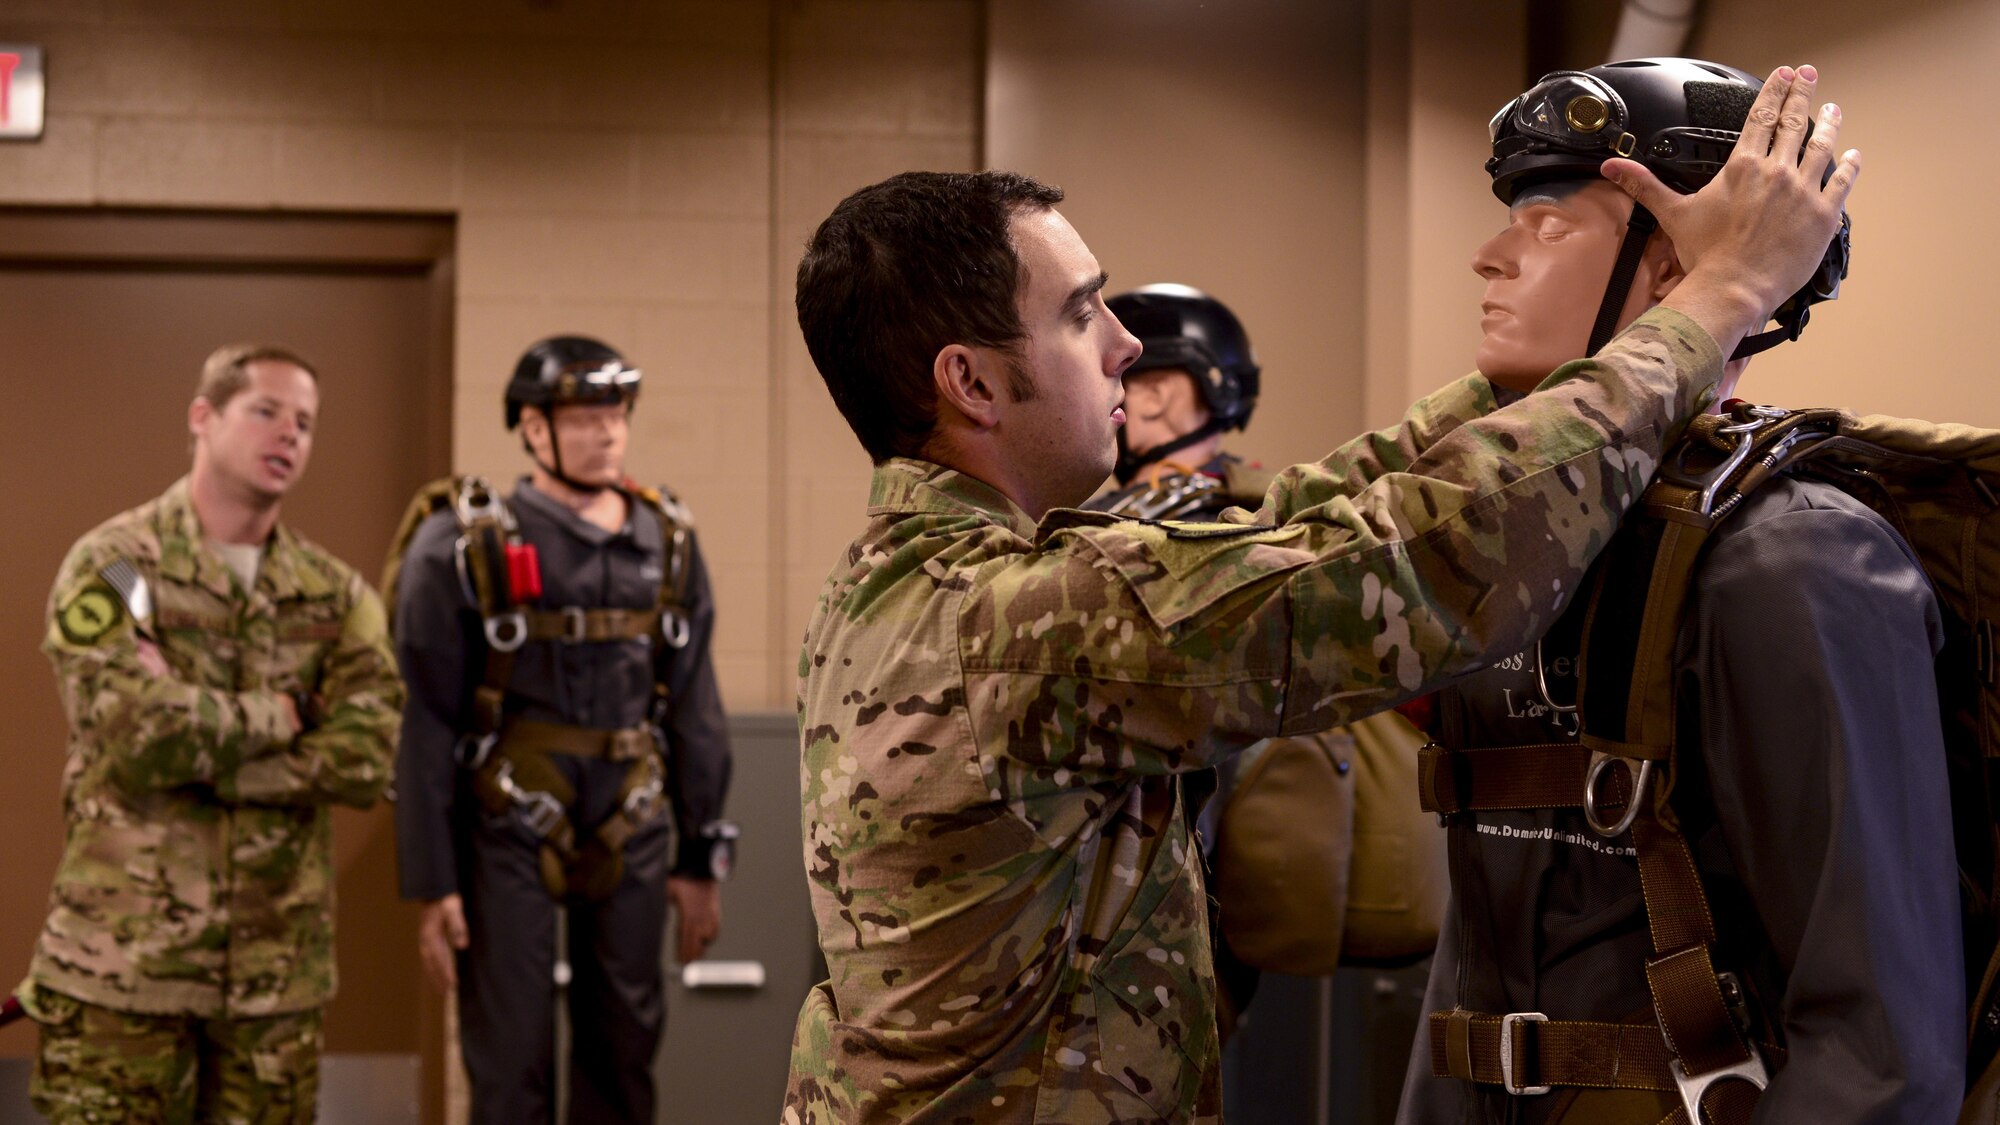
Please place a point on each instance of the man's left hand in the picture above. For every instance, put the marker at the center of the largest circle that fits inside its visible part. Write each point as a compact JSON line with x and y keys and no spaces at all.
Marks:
{"x":698,"y":906}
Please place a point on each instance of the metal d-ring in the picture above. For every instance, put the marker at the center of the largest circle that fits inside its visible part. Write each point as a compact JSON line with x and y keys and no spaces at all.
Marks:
{"x":1643,"y":774}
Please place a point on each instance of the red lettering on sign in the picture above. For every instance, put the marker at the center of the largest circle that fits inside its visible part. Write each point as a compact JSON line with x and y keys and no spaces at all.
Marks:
{"x":7,"y":65}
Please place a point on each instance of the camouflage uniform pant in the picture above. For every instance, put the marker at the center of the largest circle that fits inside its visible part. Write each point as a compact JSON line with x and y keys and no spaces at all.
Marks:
{"x":100,"y":1065}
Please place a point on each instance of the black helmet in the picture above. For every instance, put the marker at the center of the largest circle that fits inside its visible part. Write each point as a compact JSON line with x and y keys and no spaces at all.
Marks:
{"x":566,"y":370}
{"x":1186,"y":328}
{"x":1678,"y":117}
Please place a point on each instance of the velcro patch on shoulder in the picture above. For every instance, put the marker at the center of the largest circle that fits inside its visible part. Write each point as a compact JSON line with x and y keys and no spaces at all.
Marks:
{"x":89,"y":614}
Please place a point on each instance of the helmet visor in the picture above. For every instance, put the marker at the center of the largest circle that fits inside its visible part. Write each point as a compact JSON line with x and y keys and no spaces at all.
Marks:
{"x":1569,"y":110}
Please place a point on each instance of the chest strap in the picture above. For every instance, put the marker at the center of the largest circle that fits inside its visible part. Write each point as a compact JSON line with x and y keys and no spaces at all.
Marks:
{"x":575,"y":625}
{"x":1529,"y":1053}
{"x":1545,"y":775}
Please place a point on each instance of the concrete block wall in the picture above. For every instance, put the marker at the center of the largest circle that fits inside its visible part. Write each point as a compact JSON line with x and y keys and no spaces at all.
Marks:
{"x":642,"y":170}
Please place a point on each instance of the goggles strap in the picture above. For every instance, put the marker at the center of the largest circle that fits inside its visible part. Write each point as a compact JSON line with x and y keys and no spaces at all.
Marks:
{"x":1788,"y":328}
{"x":1638,"y":229}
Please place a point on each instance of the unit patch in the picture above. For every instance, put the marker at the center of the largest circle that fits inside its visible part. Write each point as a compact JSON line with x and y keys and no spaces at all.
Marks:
{"x":89,"y":614}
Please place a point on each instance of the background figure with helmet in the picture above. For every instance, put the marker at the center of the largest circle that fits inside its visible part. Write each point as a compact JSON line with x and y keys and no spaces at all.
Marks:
{"x":1314,"y":846}
{"x":562,"y":706}
{"x":1806,"y":765}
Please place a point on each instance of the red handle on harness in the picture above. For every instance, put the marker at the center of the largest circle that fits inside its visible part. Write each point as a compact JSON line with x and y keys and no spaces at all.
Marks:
{"x":524,"y":572}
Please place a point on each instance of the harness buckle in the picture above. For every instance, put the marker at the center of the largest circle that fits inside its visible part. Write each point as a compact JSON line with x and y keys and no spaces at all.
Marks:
{"x":540,"y":811}
{"x":1640,"y":777}
{"x":643,"y":803}
{"x":475,"y":500}
{"x":507,"y":631}
{"x":1508,"y":1024}
{"x":674,"y":627}
{"x":473,"y":752}
{"x":573,"y":625}
{"x":1751,"y":1070}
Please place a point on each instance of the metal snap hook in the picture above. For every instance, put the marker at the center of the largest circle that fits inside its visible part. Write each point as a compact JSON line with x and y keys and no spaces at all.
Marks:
{"x":1642,"y":774}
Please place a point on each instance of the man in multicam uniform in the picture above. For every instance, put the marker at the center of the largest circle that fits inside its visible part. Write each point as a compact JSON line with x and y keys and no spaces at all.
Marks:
{"x":996,"y":698}
{"x":225,"y":681}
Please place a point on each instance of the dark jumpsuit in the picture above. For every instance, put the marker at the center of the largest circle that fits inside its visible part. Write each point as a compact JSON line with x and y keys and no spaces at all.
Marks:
{"x":446,"y":843}
{"x":1814,"y":797}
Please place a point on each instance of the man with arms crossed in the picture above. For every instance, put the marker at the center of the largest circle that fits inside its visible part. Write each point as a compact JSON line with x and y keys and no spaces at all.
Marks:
{"x":225,"y":681}
{"x":995,"y":698}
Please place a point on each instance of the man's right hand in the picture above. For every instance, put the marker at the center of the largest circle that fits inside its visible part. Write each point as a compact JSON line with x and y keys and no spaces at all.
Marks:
{"x":441,"y":934}
{"x":1756,"y":232}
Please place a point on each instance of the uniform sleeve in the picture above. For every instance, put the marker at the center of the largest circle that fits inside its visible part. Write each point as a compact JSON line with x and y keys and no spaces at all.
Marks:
{"x":698,"y":735}
{"x":1394,"y":450}
{"x":159,"y":732}
{"x":345,"y":757}
{"x":434,"y":631}
{"x":1812,"y":646}
{"x":1125,"y":646}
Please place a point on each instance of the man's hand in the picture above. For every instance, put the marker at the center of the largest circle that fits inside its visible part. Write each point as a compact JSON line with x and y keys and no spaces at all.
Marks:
{"x":151,"y":660}
{"x":698,"y":906}
{"x":1755,"y":233}
{"x":441,"y":933}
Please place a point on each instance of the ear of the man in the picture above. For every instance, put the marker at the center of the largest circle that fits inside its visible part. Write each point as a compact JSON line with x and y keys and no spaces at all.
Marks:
{"x":970,"y":383}
{"x":1668,"y":272}
{"x":199,"y":412}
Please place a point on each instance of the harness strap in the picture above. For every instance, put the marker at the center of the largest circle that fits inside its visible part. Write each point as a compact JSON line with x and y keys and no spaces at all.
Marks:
{"x":1618,"y":1056}
{"x":576,"y":625}
{"x":532,"y":736}
{"x":1546,"y":775}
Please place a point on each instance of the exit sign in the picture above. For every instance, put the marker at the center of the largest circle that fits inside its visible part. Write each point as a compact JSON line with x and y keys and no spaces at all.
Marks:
{"x":20,"y":92}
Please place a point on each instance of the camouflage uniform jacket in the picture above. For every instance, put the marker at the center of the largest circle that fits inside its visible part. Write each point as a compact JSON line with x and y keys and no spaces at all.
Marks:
{"x":197,"y":874}
{"x":993,"y":712}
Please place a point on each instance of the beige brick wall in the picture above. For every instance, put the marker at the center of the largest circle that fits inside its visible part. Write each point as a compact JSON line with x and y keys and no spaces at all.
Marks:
{"x":642,"y":170}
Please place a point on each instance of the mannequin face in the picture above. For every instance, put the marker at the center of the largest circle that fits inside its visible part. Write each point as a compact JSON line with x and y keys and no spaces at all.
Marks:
{"x":591,"y":439}
{"x":1546,"y":273}
{"x":1161,"y":405}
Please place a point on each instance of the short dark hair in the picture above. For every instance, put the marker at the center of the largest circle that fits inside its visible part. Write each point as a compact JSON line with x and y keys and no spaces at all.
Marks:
{"x":900,"y":270}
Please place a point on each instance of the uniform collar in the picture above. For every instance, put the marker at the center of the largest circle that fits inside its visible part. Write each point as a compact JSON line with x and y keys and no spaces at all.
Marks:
{"x":907,"y":486}
{"x":527,"y":495}
{"x":286,"y":571}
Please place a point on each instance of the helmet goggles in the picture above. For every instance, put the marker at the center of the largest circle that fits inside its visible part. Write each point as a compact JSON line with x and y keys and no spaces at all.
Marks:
{"x":612,"y":381}
{"x":1569,"y":109}
{"x":1574,"y":113}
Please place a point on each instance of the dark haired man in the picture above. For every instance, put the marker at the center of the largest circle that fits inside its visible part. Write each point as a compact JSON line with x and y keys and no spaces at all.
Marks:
{"x":225,"y":681}
{"x":996,"y":698}
{"x":1809,"y":781}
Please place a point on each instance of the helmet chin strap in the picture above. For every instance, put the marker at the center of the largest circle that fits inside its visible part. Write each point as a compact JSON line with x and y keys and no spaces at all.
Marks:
{"x":556,"y":470}
{"x":1638,"y":229}
{"x":1129,"y":463}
